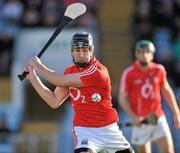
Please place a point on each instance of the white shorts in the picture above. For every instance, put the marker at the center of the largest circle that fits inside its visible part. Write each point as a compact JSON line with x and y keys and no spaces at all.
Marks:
{"x":108,"y":138}
{"x":147,"y":133}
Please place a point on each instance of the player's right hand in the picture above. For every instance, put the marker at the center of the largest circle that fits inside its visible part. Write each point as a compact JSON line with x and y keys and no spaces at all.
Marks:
{"x":26,"y":69}
{"x":31,"y":71}
{"x":136,"y":121}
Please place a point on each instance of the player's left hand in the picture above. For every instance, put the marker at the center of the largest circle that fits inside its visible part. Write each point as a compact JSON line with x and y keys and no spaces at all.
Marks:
{"x":35,"y":62}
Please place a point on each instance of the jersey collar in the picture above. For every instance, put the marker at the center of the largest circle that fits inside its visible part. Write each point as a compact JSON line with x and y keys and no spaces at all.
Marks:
{"x":93,"y":61}
{"x":137,"y":65}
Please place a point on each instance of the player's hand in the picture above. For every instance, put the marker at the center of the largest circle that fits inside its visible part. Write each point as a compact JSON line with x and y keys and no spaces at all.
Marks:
{"x":176,"y":118}
{"x":31,"y":71}
{"x":136,"y":121}
{"x":26,"y":69}
{"x":35,"y":62}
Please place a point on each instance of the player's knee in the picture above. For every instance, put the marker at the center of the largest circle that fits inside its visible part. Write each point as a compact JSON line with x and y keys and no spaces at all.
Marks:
{"x":129,"y":150}
{"x":83,"y":150}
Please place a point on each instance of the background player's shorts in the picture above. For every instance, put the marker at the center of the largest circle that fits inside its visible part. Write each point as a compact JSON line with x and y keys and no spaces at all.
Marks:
{"x":141,"y":135}
{"x":109,"y":138}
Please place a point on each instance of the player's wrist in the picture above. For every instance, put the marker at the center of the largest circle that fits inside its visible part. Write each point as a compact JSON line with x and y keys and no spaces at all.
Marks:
{"x":32,"y":76}
{"x":39,"y":67}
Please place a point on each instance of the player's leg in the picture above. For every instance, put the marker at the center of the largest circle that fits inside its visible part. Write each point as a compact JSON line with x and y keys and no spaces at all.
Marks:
{"x":86,"y":140}
{"x":165,"y":144}
{"x":162,"y":136}
{"x":146,"y":148}
{"x":141,"y":138}
{"x":115,"y":142}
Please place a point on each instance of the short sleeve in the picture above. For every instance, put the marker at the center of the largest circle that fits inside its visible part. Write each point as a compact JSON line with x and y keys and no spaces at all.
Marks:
{"x":94,"y":76}
{"x":65,"y":72}
{"x":163,"y":75}
{"x":68,"y":70}
{"x":124,"y":83}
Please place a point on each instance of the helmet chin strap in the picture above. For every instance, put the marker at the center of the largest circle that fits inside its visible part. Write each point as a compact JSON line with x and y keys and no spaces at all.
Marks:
{"x":143,"y":63}
{"x":81,"y":65}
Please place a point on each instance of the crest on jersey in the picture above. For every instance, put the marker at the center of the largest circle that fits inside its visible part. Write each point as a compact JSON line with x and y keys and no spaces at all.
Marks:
{"x":84,"y":142}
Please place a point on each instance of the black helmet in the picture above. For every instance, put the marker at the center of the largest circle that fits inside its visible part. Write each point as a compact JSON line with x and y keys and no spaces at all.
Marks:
{"x":81,"y":39}
{"x":144,"y":44}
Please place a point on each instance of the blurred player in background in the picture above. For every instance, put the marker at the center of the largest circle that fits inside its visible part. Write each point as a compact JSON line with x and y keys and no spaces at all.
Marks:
{"x":140,"y":95}
{"x":87,"y":83}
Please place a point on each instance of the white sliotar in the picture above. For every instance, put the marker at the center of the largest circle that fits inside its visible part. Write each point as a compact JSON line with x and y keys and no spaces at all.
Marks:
{"x":96,"y":97}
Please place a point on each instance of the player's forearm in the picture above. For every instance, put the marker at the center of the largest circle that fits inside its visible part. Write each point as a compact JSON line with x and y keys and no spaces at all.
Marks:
{"x":60,"y":80}
{"x":171,"y":100}
{"x":124,"y":103}
{"x":46,"y":94}
{"x":127,"y":109}
{"x":49,"y":74}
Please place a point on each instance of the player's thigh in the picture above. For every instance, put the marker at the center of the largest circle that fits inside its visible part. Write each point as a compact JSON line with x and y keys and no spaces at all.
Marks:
{"x":165,"y":144}
{"x":161,"y":130}
{"x":146,"y":148}
{"x":141,"y":135}
{"x":149,"y":133}
{"x":86,"y":139}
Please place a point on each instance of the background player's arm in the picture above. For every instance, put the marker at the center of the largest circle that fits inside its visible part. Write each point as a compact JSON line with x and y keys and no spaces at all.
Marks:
{"x":171,"y":100}
{"x":53,"y":99}
{"x":124,"y":103}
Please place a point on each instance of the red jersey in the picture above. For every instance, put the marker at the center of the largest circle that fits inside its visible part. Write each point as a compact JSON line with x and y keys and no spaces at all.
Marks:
{"x":96,"y":79}
{"x":143,"y":88}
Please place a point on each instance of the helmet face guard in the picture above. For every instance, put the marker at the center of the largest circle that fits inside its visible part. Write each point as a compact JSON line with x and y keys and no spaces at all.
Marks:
{"x":81,"y":39}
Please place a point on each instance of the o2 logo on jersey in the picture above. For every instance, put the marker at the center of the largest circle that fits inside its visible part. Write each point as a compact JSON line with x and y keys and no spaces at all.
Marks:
{"x":147,"y":90}
{"x":77,"y":94}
